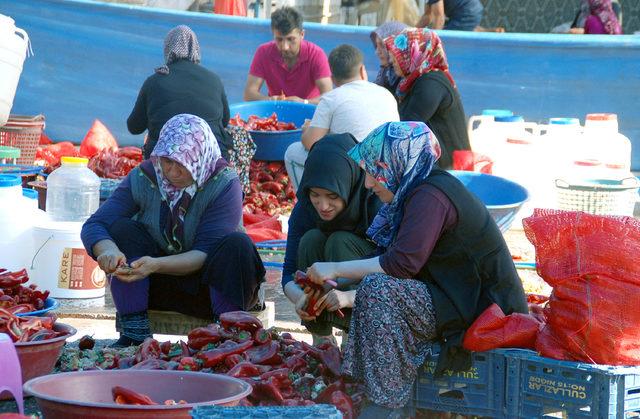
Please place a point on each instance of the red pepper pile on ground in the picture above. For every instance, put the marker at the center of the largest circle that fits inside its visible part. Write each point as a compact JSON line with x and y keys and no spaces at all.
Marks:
{"x":281,"y":370}
{"x":255,"y":123}
{"x":270,"y":190}
{"x":15,"y":297}
{"x":27,"y":329}
{"x":115,"y":163}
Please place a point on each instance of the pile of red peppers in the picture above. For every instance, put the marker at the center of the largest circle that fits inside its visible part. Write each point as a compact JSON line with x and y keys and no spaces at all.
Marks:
{"x":17,"y":298}
{"x":270,"y":190}
{"x":255,"y":123}
{"x":28,"y":328}
{"x":282,"y":371}
{"x":113,"y":163}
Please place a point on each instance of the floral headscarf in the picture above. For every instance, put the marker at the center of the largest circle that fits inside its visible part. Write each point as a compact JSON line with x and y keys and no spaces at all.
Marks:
{"x":418,"y":51}
{"x":399,"y":155}
{"x":603,"y":9}
{"x":386,"y":76}
{"x":188,"y":140}
{"x":180,"y":43}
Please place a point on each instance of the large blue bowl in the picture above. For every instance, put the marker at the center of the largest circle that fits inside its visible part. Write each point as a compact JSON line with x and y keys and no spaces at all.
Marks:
{"x":502,"y":197}
{"x":271,"y":145}
{"x":49,"y":304}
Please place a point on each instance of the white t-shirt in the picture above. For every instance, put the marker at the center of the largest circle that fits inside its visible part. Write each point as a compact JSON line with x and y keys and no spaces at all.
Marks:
{"x":357,"y":107}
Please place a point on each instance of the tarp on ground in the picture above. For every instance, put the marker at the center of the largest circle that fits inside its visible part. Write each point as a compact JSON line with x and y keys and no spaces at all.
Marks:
{"x":91,"y":59}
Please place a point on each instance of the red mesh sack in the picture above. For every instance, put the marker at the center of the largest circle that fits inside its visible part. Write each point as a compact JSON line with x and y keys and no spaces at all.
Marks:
{"x":492,"y":330}
{"x":590,"y":261}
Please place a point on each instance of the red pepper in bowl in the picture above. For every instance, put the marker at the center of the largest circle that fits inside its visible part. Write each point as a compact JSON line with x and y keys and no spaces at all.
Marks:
{"x":123,"y":395}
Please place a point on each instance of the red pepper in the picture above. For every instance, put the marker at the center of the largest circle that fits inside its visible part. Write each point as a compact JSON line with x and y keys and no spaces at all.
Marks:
{"x":233,"y":360}
{"x":213,"y":357}
{"x":200,"y":337}
{"x":261,"y":336}
{"x":123,"y":395}
{"x":330,"y":357}
{"x":244,"y":369}
{"x":343,"y":402}
{"x":165,"y":347}
{"x":301,"y":279}
{"x":152,"y":364}
{"x":241,"y":320}
{"x":13,"y":279}
{"x":21,"y":308}
{"x":272,"y":187}
{"x":188,"y":363}
{"x":280,"y":376}
{"x":267,"y":391}
{"x":150,"y":348}
{"x":265,"y":354}
{"x":86,"y":342}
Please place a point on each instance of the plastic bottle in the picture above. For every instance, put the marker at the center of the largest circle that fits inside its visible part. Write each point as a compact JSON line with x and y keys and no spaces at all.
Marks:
{"x":479,"y":123}
{"x":73,"y":191}
{"x":602,"y":141}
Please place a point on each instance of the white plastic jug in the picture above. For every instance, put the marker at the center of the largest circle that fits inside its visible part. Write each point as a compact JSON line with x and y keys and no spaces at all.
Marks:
{"x":486,"y":116}
{"x":490,"y":137}
{"x":73,"y":191}
{"x":14,"y":44}
{"x":602,"y":141}
{"x":561,"y":144}
{"x":17,"y":216}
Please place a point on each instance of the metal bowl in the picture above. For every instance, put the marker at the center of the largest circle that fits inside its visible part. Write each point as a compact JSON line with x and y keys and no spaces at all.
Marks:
{"x":87,"y":394}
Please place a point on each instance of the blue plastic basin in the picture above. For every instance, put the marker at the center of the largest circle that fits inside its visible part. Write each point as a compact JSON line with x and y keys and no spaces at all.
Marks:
{"x":502,"y":197}
{"x":49,"y":304}
{"x":271,"y":145}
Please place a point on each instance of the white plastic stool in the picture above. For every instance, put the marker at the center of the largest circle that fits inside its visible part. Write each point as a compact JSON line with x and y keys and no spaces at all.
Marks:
{"x":10,"y":372}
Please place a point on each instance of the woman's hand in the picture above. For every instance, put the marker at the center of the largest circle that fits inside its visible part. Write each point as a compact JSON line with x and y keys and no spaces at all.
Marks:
{"x":110,"y":259}
{"x":335,"y":300}
{"x":301,"y":304}
{"x":320,"y":272}
{"x":138,"y":270}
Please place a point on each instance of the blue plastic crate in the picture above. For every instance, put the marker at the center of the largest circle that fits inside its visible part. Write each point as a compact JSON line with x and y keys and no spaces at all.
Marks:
{"x":479,"y":391}
{"x":318,"y":411}
{"x":539,"y":387}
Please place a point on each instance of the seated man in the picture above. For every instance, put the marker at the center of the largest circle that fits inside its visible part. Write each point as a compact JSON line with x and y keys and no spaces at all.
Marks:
{"x":356,"y":107}
{"x":294,"y":69}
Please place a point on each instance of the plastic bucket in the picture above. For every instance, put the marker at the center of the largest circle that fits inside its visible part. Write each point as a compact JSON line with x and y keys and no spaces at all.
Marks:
{"x":13,"y":50}
{"x":61,"y":264}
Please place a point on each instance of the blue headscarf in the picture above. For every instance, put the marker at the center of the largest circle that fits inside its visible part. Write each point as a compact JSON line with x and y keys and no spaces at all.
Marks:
{"x":400,"y":155}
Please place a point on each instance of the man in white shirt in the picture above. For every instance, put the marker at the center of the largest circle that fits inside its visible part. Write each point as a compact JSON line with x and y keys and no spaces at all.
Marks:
{"x":356,"y":106}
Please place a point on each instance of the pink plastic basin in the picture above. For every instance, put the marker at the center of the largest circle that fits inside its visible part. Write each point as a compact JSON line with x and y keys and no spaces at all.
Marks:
{"x":39,"y":358}
{"x":87,"y":394}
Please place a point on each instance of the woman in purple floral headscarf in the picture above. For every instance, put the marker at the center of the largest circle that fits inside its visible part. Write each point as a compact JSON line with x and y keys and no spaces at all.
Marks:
{"x":442,"y":261}
{"x":170,"y":235}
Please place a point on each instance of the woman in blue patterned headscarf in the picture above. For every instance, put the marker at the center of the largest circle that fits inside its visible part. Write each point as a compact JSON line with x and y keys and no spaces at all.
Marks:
{"x":442,"y":261}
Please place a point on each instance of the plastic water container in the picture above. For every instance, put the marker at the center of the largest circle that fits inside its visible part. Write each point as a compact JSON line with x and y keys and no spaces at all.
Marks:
{"x":14,"y":44}
{"x":486,"y":116}
{"x":73,"y":191}
{"x":17,"y":216}
{"x":602,"y":141}
{"x":60,"y":263}
{"x":490,"y":137}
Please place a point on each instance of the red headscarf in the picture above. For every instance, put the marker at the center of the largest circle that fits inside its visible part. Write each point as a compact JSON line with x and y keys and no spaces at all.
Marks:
{"x":418,"y":51}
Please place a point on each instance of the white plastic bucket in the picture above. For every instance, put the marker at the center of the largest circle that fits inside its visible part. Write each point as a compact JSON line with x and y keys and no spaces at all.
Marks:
{"x":61,"y":264}
{"x":14,"y":44}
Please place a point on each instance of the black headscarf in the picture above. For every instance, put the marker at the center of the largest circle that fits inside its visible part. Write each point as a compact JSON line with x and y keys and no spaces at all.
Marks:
{"x":329,"y":167}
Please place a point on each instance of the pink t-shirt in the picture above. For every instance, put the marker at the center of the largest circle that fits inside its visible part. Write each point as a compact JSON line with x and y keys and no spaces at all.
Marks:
{"x":300,"y":81}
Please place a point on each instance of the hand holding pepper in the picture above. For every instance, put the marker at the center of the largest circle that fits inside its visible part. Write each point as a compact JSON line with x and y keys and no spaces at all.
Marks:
{"x":321,"y":272}
{"x":109,"y":257}
{"x":138,"y":269}
{"x":335,"y":300}
{"x":301,"y":306}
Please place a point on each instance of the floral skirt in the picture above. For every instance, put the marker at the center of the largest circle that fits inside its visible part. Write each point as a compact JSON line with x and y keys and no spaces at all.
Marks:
{"x":392,"y":327}
{"x":241,"y":154}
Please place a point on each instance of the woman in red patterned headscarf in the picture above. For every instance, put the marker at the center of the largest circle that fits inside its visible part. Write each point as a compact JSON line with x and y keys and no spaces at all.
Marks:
{"x":427,"y":91}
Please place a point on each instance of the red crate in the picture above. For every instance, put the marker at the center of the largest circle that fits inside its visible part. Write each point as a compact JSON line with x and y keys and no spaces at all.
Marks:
{"x":23,"y":132}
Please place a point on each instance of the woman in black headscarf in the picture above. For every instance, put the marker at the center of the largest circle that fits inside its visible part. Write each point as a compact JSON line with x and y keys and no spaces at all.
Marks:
{"x":328,"y":224}
{"x":181,"y":86}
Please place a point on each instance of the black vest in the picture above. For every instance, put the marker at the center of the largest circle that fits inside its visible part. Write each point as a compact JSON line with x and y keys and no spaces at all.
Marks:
{"x":469,"y":269}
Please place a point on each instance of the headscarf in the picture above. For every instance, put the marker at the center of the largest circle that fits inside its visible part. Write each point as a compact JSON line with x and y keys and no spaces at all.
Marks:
{"x":188,"y":140}
{"x":329,"y":167}
{"x":603,"y":10}
{"x":386,"y":76}
{"x":180,"y":43}
{"x":418,"y":51}
{"x":400,"y":155}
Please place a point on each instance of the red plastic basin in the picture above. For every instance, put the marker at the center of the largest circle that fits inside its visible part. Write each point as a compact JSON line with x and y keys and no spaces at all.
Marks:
{"x":87,"y":394}
{"x":39,"y":358}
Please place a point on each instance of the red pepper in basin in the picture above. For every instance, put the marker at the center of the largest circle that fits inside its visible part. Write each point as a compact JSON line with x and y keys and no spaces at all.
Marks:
{"x":123,"y":395}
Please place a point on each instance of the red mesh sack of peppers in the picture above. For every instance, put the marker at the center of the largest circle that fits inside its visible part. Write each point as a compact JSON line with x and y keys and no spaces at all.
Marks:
{"x":591,"y":263}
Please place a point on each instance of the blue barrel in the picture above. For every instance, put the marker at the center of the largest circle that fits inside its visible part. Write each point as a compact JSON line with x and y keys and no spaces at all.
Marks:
{"x":271,"y":145}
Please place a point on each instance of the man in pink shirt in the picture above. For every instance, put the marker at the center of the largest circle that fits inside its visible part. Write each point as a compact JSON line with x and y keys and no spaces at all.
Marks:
{"x":294,"y":69}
